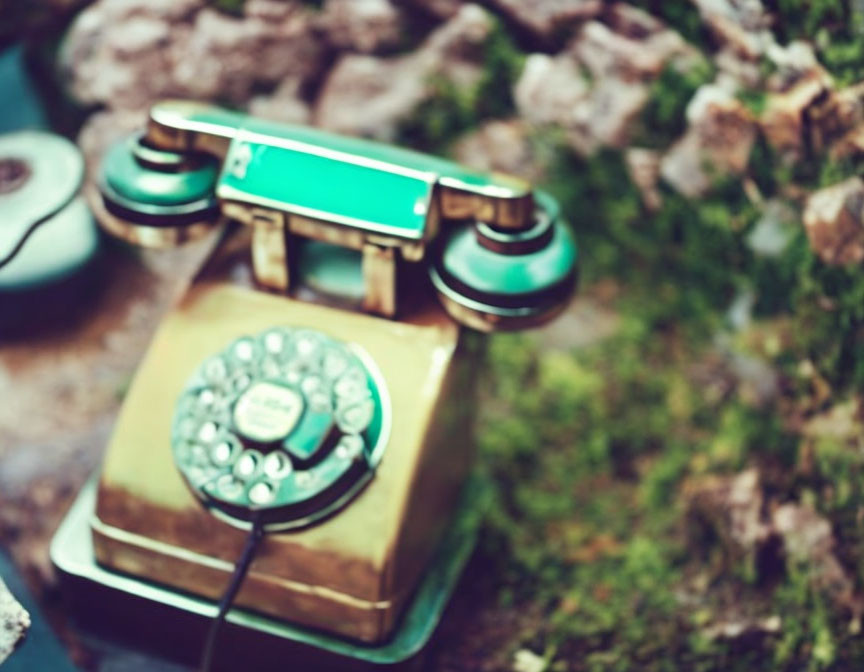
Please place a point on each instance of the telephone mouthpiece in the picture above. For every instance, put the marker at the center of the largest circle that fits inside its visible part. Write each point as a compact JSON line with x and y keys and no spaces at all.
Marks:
{"x":490,"y":279}
{"x":153,"y":197}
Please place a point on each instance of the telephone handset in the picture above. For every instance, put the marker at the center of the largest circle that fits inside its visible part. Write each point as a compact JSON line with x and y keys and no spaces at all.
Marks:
{"x":497,"y":253}
{"x":256,"y":410}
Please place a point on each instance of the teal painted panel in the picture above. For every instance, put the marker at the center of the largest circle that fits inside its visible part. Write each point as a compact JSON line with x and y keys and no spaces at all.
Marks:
{"x":331,"y":187}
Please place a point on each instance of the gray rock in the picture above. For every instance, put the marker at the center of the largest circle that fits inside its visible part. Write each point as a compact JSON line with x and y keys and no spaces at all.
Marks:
{"x":735,"y":73}
{"x":606,"y":116}
{"x":834,"y":222}
{"x":809,"y":540}
{"x":225,"y":57}
{"x":718,"y":141}
{"x":367,"y":26}
{"x":548,"y":20}
{"x":741,"y":626}
{"x":758,"y":381}
{"x":369,"y":96}
{"x":739,"y":314}
{"x":285,"y":104}
{"x":502,"y":146}
{"x":783,"y":121}
{"x":791,"y":62}
{"x":554,"y":91}
{"x":643,"y":166}
{"x":14,"y":622}
{"x":129,"y":53}
{"x":741,"y":25}
{"x":627,"y":56}
{"x":550,"y":89}
{"x":732,"y":505}
{"x":597,"y":87}
{"x":774,"y":230}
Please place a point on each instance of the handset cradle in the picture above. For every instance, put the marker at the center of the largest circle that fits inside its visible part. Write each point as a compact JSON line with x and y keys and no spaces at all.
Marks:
{"x":389,"y":205}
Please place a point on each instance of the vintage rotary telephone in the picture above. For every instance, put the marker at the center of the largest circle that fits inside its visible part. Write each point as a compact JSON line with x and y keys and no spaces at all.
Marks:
{"x":308,"y":401}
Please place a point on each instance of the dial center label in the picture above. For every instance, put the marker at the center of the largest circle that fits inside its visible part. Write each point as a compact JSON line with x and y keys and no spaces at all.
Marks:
{"x":267,"y":412}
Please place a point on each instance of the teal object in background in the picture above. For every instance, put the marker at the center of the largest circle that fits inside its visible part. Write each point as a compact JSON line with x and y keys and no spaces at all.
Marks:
{"x":42,"y":280}
{"x":20,"y":107}
{"x":40,"y":175}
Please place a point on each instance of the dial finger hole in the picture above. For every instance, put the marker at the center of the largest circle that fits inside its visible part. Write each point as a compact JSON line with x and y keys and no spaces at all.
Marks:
{"x":247,"y":465}
{"x":277,"y":465}
{"x":225,"y":451}
{"x":262,"y":493}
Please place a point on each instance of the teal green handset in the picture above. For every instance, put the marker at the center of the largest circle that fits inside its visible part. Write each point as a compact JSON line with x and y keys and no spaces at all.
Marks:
{"x":496,"y":252}
{"x":292,"y":454}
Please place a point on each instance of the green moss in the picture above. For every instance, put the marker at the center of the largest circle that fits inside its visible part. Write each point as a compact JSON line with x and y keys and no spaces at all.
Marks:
{"x":588,"y":515}
{"x":663,"y":119}
{"x":829,"y":309}
{"x":682,"y":16}
{"x":502,"y":64}
{"x":835,"y":26}
{"x":450,"y":111}
{"x":754,"y":100}
{"x":589,"y":449}
{"x":232,"y":7}
{"x":434,"y":125}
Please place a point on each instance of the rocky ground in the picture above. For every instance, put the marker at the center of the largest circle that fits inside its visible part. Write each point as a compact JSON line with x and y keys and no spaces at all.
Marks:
{"x":677,"y":462}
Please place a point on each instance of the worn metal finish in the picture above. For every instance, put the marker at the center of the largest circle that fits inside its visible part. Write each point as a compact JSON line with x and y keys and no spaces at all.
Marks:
{"x":165,"y":609}
{"x":270,"y":253}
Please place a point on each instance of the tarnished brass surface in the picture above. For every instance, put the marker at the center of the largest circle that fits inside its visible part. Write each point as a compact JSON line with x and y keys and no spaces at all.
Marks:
{"x":270,"y":250}
{"x":351,"y":574}
{"x":505,"y":210}
{"x":380,"y":275}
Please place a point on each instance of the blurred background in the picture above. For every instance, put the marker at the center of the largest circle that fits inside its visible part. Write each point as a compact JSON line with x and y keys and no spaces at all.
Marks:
{"x":677,"y":461}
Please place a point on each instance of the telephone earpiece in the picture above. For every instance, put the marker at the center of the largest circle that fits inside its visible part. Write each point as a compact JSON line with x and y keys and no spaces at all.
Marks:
{"x":155,"y":197}
{"x":498,"y":279}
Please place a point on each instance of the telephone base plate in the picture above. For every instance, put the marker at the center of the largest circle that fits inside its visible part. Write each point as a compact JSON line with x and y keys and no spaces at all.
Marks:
{"x":173,"y":624}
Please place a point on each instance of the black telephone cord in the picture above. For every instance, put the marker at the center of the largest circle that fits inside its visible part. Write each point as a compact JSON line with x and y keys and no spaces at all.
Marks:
{"x":240,"y":571}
